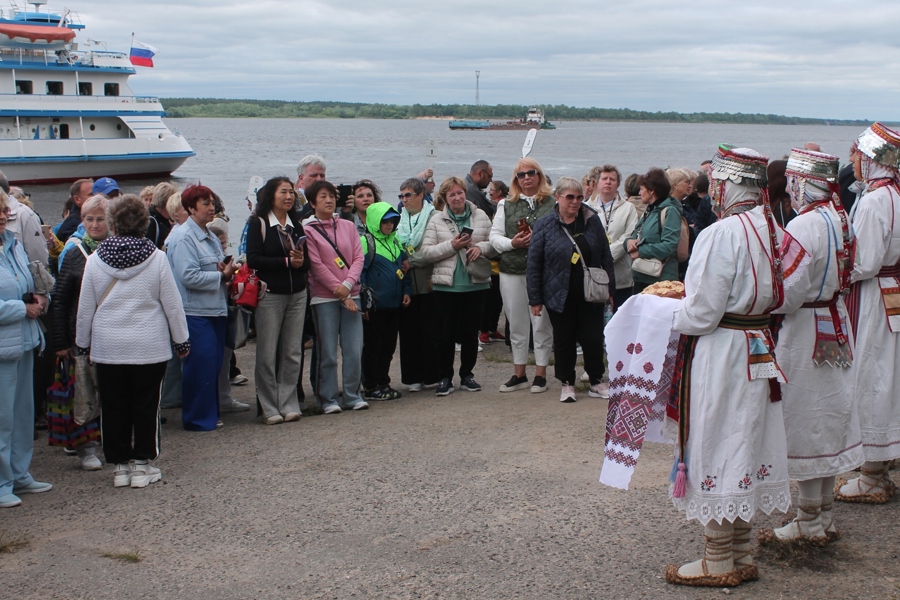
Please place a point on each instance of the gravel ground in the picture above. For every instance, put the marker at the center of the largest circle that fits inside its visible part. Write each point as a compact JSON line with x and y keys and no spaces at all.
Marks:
{"x":477,"y":495}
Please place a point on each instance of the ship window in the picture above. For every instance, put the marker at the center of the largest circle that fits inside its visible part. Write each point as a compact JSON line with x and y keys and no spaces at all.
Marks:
{"x":110,"y":89}
{"x":24,"y":87}
{"x":85,"y":88}
{"x":54,"y":88}
{"x":93,"y":127}
{"x":64,"y":131}
{"x":119,"y":127}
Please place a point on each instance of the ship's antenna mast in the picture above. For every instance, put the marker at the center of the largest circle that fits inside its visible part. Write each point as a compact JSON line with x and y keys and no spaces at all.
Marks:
{"x":477,"y":91}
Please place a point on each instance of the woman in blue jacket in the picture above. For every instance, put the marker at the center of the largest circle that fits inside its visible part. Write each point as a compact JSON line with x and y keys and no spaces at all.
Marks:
{"x":19,"y":335}
{"x":201,"y":274}
{"x":384,"y":271}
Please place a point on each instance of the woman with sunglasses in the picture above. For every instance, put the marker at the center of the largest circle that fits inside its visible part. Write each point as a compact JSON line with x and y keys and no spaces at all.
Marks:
{"x":276,"y":248}
{"x":564,"y":242}
{"x":530,"y":198}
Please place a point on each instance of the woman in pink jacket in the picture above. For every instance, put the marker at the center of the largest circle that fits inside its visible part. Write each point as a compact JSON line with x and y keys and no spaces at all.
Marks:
{"x":336,"y":262}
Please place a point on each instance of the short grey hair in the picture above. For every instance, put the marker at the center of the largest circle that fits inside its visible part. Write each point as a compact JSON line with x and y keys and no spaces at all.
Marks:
{"x":568,"y":183}
{"x":413,"y":184}
{"x":677,"y":175}
{"x":173,"y":205}
{"x":307,"y":161}
{"x":98,"y":202}
{"x":161,"y":194}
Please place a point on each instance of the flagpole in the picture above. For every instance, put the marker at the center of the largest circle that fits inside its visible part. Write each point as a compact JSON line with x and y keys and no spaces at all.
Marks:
{"x":132,"y":39}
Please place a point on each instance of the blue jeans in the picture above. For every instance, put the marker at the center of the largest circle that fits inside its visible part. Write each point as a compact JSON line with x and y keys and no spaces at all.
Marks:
{"x":200,"y":369}
{"x":16,"y":422}
{"x":334,"y":322}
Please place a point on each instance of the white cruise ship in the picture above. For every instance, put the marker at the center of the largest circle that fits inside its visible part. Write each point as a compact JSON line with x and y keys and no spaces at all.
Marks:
{"x":67,"y":112}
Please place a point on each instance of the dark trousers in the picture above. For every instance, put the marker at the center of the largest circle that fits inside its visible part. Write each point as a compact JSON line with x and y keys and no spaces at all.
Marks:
{"x":620,"y":296}
{"x":379,"y":344}
{"x":638,"y":287}
{"x":458,"y":315}
{"x":418,"y":341}
{"x":129,"y":409}
{"x":580,"y":322}
{"x":493,"y":306}
{"x":44,"y":373}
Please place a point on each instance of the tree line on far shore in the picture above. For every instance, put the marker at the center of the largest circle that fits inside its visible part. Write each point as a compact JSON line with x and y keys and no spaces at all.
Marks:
{"x":218,"y":107}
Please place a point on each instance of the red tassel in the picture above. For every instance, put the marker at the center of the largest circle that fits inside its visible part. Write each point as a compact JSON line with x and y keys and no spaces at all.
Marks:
{"x":680,"y":488}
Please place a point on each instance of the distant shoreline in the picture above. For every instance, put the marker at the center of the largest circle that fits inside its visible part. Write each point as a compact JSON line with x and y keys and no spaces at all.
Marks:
{"x":227,"y":108}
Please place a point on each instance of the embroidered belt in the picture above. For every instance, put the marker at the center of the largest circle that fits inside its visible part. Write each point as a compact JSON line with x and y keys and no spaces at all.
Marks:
{"x":744,"y":322}
{"x":822,"y":303}
{"x":892,"y":271}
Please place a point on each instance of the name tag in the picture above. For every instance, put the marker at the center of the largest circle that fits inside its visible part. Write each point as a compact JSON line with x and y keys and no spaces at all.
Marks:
{"x":410,"y":250}
{"x":575,"y":257}
{"x":339,"y":262}
{"x":399,"y":273}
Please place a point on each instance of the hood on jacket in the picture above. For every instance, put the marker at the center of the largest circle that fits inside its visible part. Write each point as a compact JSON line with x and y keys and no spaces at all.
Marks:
{"x":125,"y":257}
{"x":375,"y":214}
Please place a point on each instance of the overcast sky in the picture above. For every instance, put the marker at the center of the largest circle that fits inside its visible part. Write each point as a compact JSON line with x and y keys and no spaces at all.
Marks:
{"x":822,"y":58}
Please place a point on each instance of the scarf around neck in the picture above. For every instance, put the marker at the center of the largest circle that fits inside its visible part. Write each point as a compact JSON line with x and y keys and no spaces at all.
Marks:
{"x":412,"y":227}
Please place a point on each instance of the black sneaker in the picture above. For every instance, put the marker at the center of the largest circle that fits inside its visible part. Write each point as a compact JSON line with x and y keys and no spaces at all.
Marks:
{"x":444,"y":388}
{"x":385,"y":393}
{"x":469,"y":384}
{"x":539,"y":385}
{"x":515,"y":383}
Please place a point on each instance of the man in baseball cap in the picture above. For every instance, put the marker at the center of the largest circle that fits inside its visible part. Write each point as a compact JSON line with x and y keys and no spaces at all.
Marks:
{"x":106,"y":186}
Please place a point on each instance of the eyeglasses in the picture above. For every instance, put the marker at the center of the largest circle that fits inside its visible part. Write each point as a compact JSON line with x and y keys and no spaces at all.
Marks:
{"x":572,"y":197}
{"x":528,"y":173}
{"x":406,"y":196}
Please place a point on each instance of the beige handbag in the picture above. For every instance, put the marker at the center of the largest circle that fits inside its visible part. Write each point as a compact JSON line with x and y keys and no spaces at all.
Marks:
{"x":648,"y":266}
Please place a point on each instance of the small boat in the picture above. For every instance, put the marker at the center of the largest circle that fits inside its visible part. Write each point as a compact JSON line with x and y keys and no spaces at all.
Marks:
{"x":533,"y":120}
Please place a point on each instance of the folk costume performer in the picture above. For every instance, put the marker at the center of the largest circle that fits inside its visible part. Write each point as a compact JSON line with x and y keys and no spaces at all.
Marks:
{"x":815,"y":349}
{"x":875,"y":310}
{"x":731,"y":444}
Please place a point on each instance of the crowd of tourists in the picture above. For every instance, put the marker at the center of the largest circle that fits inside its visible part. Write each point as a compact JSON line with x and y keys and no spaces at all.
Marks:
{"x":143,"y":307}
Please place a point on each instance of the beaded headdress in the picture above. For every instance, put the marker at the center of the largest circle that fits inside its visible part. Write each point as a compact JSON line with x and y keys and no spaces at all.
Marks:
{"x":740,"y":165}
{"x":817,"y":166}
{"x":881,"y":145}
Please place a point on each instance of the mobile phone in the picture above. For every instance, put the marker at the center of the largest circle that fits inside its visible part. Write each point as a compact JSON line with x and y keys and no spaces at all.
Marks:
{"x":228,"y":259}
{"x":300,"y":241}
{"x":344,"y":190}
{"x":28,"y":298}
{"x":523,"y":226}
{"x":466,"y":231}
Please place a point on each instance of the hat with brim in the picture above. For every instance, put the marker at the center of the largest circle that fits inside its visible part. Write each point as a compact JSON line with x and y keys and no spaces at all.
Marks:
{"x":104,"y":186}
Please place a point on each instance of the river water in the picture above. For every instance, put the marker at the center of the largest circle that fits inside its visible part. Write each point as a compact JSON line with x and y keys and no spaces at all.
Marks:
{"x":230,"y":151}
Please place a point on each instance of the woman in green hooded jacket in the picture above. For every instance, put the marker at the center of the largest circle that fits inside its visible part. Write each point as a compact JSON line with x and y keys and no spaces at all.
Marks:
{"x":656,"y":237}
{"x":384,"y":271}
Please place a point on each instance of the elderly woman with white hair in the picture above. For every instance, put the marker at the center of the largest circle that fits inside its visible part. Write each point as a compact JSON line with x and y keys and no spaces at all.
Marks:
{"x":160,"y":219}
{"x":564,"y":243}
{"x":83,"y":436}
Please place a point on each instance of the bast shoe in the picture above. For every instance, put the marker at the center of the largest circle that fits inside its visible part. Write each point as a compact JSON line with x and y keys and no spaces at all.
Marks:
{"x":35,"y":487}
{"x":143,"y":474}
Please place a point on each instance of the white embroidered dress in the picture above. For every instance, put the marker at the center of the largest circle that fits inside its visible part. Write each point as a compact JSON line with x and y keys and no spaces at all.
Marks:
{"x":820,"y":416}
{"x":876,"y":364}
{"x":736,"y":450}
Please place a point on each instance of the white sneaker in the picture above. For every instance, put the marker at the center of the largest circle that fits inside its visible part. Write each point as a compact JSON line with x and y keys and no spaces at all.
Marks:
{"x":578,"y":349}
{"x":122,"y":475}
{"x":143,"y":474}
{"x":585,"y":377}
{"x":291,"y":416}
{"x":458,"y":347}
{"x":239,"y":379}
{"x":273,"y":420}
{"x":599,"y":390}
{"x":414,"y":387}
{"x":90,"y":462}
{"x":234,"y":406}
{"x":568,"y":393}
{"x":332,"y":409}
{"x":480,"y":348}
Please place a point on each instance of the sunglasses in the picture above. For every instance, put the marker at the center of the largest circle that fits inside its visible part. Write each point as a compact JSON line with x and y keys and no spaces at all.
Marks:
{"x":406,"y":196}
{"x":572,"y":197}
{"x":528,"y":173}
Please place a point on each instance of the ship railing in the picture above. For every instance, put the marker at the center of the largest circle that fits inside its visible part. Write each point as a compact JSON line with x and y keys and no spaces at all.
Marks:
{"x":47,"y":57}
{"x":61,"y":99}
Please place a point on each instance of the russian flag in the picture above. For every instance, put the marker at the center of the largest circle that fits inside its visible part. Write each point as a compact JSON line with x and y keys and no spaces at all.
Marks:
{"x":142,"y":54}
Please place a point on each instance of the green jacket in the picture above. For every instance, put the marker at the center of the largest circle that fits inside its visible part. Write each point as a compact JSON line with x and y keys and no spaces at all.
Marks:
{"x":655,"y":241}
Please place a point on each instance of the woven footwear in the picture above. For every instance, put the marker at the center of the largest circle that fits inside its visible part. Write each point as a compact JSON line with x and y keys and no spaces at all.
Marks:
{"x":740,"y":551}
{"x":873,"y":486}
{"x":828,"y":518}
{"x":715,"y":569}
{"x":805,"y":528}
